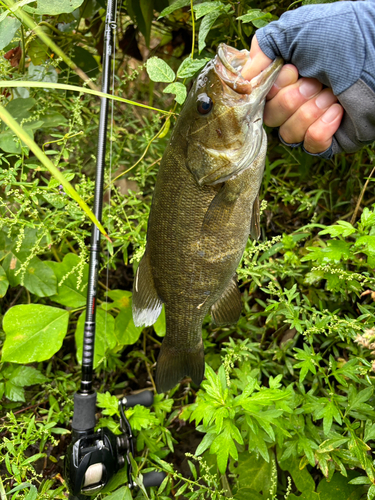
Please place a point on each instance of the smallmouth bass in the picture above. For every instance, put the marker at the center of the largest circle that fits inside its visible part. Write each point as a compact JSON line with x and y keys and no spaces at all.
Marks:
{"x":205,"y":204}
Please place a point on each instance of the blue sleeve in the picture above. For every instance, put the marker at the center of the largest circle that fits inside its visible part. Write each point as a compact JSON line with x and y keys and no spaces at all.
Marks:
{"x":334,"y":43}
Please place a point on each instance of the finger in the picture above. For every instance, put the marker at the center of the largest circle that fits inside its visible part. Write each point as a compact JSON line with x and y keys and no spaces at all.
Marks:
{"x":289,"y":99}
{"x":288,"y":76}
{"x":318,"y":137}
{"x":295,"y":128}
{"x":257,"y":62}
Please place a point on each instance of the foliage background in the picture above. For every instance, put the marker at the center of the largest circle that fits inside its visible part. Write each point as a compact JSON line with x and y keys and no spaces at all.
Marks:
{"x":286,"y":410}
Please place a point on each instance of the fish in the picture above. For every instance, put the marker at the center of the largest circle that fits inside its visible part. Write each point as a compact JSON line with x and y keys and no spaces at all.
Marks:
{"x":205,"y":205}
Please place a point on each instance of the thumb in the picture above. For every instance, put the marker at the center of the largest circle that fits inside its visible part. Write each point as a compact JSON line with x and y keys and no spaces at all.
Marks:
{"x":258,"y":61}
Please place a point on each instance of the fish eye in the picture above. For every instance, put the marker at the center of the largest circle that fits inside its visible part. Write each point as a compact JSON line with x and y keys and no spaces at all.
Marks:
{"x":204,"y":104}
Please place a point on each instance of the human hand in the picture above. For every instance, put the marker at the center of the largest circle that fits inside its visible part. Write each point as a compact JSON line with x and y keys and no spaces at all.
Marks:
{"x":304,"y":111}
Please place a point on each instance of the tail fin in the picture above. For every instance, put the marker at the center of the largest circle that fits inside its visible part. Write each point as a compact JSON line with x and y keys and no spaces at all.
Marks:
{"x":173,"y":365}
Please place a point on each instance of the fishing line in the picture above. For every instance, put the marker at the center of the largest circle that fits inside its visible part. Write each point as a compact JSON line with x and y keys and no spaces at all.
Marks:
{"x":109,"y":187}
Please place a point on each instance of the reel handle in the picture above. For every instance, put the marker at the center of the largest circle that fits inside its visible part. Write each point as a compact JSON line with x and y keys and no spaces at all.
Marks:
{"x":144,"y":398}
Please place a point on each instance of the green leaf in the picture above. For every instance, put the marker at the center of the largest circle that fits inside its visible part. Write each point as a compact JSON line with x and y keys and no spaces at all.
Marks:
{"x":340,"y":487}
{"x":250,"y":16}
{"x":178,"y":4}
{"x":4,"y":283}
{"x":40,"y":279}
{"x":37,"y":50}
{"x":341,"y":228}
{"x":8,"y":28}
{"x":34,"y":332}
{"x":126,"y":332}
{"x":121,"y":299}
{"x":109,"y":403}
{"x":68,"y":292}
{"x":223,"y":445}
{"x":189,"y":67}
{"x":206,"y":25}
{"x":122,"y":493}
{"x":140,"y":417}
{"x":205,"y":443}
{"x":14,"y":392}
{"x":205,"y":8}
{"x":53,"y":8}
{"x":27,"y":375}
{"x":178,"y":89}
{"x":160,"y":326}
{"x":253,"y":472}
{"x":301,"y":477}
{"x":105,"y":339}
{"x":360,"y":480}
{"x":159,"y":71}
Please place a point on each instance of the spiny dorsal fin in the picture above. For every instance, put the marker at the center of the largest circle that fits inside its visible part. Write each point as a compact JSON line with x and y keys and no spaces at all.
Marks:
{"x":255,"y":220}
{"x":228,"y":308}
{"x":146,"y":302}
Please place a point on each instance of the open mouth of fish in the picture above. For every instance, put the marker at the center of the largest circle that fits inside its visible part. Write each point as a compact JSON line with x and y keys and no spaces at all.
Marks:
{"x":229,"y":63}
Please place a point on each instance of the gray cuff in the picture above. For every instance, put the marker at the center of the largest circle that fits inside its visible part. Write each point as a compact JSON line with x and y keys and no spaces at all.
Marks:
{"x":327,"y":154}
{"x":293,"y":145}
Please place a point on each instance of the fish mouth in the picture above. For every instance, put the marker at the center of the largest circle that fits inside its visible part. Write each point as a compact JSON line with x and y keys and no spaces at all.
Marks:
{"x":228,"y":65}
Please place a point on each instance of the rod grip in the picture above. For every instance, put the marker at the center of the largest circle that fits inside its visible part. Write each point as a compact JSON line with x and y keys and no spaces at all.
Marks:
{"x":153,"y":478}
{"x":84,"y":411}
{"x":145,"y":398}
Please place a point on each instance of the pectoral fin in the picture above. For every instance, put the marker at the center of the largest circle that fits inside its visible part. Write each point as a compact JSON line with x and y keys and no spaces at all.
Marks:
{"x":228,"y":308}
{"x":146,"y":302}
{"x":255,"y":220}
{"x":221,"y":206}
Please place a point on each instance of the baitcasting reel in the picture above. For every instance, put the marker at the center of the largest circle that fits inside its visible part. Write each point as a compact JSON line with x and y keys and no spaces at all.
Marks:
{"x":94,"y":458}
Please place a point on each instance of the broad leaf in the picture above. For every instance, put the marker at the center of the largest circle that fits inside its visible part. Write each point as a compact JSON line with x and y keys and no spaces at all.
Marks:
{"x":178,"y":89}
{"x":160,"y":326}
{"x":4,"y":283}
{"x":339,"y":487}
{"x":53,"y":8}
{"x":189,"y":67}
{"x":207,"y":22}
{"x":253,"y":472}
{"x":70,"y":292}
{"x":159,"y":71}
{"x":126,"y":332}
{"x":178,"y":4}
{"x":8,"y":28}
{"x":34,"y":332}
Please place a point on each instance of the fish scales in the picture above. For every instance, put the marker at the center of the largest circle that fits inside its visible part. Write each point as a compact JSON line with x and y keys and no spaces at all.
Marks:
{"x":201,"y":215}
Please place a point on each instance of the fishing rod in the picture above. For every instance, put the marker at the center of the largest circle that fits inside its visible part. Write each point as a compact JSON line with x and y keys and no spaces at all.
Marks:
{"x":93,"y":457}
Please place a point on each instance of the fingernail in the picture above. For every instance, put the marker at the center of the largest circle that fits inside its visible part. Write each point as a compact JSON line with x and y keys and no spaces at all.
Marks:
{"x":285,"y":78}
{"x":308,"y":88}
{"x":331,"y":114}
{"x":324,"y":100}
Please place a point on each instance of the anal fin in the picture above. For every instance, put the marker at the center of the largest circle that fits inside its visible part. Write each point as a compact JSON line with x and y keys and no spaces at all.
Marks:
{"x":228,"y":308}
{"x":146,"y":302}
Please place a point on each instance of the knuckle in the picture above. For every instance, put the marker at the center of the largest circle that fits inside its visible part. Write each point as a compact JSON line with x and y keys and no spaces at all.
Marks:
{"x":287,"y":101}
{"x":315,"y":135}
